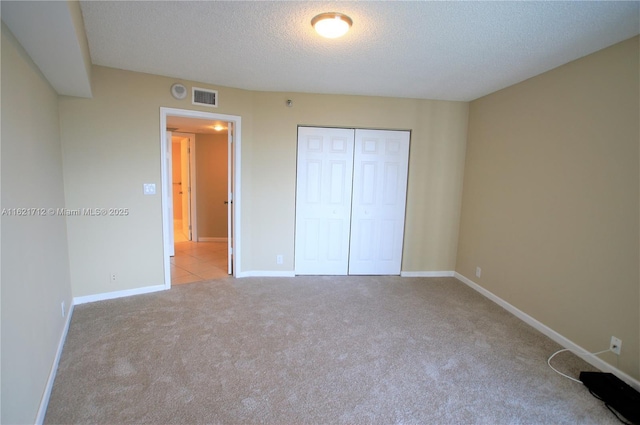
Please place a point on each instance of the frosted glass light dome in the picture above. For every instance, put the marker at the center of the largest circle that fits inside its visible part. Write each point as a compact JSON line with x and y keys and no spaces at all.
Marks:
{"x":332,"y":24}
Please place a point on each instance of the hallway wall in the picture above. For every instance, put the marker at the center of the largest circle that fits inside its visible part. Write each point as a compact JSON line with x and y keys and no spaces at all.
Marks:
{"x":176,"y":178}
{"x":211,"y":178}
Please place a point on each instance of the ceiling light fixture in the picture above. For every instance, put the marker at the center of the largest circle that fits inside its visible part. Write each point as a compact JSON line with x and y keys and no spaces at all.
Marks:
{"x":331,"y":24}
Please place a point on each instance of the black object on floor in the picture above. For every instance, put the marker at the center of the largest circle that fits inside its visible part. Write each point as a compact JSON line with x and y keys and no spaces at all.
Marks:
{"x":615,"y":393}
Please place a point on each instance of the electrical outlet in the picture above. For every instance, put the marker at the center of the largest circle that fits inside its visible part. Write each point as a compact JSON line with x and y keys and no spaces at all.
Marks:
{"x":616,"y":345}
{"x":478,"y":271}
{"x":279,"y":259}
{"x":63,"y":309}
{"x":112,"y":277}
{"x":149,"y":188}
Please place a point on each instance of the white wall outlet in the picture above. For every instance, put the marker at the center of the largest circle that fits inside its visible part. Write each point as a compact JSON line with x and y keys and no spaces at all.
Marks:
{"x":149,"y":188}
{"x":616,"y":345}
{"x":279,"y":259}
{"x":63,"y":309}
{"x":478,"y":271}
{"x":113,"y":277}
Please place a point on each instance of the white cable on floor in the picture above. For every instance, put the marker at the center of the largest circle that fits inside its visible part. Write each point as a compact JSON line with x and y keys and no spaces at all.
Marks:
{"x":569,"y":349}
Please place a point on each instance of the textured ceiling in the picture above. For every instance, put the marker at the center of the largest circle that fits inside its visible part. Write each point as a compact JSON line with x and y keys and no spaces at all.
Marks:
{"x":430,"y":50}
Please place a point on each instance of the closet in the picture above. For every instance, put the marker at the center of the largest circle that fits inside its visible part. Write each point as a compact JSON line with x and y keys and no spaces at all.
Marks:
{"x":350,"y":201}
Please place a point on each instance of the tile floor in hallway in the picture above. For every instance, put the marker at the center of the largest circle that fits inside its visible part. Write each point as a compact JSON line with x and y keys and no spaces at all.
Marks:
{"x":198,"y":261}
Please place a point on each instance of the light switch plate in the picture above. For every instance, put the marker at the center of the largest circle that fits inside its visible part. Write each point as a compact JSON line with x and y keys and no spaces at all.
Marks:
{"x":149,"y":188}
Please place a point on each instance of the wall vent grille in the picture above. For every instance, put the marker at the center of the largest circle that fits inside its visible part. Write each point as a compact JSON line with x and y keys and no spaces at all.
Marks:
{"x":205,"y":97}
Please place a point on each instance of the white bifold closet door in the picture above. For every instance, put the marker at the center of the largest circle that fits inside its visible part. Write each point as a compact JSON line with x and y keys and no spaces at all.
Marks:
{"x":350,"y":201}
{"x":323,"y":200}
{"x":381,"y":163}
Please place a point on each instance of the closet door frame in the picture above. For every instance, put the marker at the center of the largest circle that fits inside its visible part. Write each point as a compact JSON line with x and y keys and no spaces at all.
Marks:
{"x":338,"y":170}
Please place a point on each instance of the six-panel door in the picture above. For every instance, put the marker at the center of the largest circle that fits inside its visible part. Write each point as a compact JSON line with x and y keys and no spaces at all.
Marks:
{"x":350,"y":201}
{"x":323,"y":200}
{"x":378,"y":202}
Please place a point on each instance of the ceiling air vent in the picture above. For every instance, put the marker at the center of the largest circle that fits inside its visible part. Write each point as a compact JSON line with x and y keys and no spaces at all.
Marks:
{"x":205,"y":97}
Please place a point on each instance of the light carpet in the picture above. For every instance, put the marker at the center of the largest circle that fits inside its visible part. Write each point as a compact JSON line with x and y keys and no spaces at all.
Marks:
{"x":314,"y":350}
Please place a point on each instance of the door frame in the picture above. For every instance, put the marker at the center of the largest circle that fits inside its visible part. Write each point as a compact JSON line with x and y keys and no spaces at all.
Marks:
{"x":230,"y":191}
{"x":349,"y":237}
{"x":235,"y":151}
{"x":165,"y":181}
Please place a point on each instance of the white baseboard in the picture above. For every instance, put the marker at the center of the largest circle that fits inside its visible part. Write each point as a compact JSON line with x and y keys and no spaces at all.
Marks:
{"x":267,"y":273}
{"x":271,"y":273}
{"x":44,"y":402}
{"x":208,"y":239}
{"x":428,"y":274}
{"x":563,"y":341}
{"x":117,"y":294}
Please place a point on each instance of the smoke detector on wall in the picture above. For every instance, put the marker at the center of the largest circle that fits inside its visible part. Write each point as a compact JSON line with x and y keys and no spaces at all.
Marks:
{"x":179,"y":91}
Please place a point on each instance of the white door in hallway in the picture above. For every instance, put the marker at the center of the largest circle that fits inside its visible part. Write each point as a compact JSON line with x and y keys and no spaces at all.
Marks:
{"x":323,"y":200}
{"x":229,"y":202}
{"x":380,"y":172}
{"x":185,"y":188}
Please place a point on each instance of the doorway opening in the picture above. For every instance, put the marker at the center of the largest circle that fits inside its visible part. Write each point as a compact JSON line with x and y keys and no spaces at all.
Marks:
{"x":200,"y":199}
{"x":201,"y":194}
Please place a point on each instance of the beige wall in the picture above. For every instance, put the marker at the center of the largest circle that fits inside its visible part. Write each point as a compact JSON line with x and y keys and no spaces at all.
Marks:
{"x":436,"y":161}
{"x":550,"y":208}
{"x":211,"y":184}
{"x":111,"y":147}
{"x":35,"y":265}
